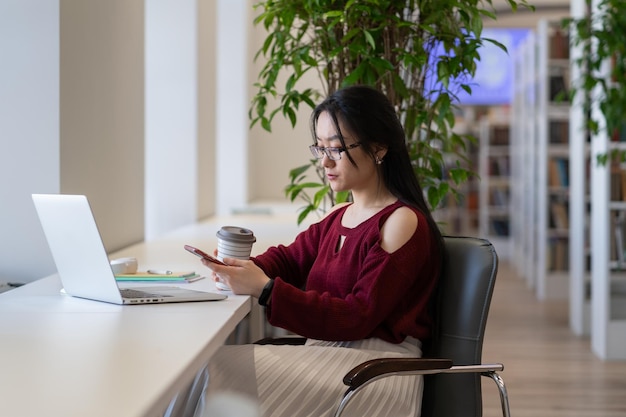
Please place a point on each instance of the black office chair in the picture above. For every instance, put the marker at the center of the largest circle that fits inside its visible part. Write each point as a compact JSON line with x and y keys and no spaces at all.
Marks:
{"x":452,"y":385}
{"x":452,"y":359}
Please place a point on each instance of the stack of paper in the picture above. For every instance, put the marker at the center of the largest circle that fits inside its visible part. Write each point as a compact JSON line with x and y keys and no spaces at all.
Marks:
{"x":181,"y":277}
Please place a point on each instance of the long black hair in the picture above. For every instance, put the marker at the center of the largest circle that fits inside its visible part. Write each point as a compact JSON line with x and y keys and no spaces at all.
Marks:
{"x":369,"y":114}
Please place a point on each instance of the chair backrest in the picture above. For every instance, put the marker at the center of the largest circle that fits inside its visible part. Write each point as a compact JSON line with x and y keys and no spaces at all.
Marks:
{"x":461,"y":306}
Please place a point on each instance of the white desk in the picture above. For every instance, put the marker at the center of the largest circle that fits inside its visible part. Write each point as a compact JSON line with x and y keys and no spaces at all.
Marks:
{"x":64,"y":356}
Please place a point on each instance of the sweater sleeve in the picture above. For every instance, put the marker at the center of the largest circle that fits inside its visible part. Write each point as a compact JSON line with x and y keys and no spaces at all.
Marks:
{"x":389,"y":299}
{"x":294,"y":261}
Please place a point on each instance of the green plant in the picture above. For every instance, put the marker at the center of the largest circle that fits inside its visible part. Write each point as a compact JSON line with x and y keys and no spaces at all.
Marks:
{"x":420,"y":53}
{"x":601,"y":35}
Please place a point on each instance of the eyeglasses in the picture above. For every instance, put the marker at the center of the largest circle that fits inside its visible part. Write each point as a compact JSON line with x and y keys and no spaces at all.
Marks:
{"x":334,"y":154}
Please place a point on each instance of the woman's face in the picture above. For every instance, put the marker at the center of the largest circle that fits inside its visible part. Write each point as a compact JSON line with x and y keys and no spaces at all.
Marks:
{"x":342,"y":175}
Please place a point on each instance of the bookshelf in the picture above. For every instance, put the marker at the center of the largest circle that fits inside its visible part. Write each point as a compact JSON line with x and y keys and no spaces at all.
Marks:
{"x":598,"y":269}
{"x":459,"y":216}
{"x":553,"y":159}
{"x":540,"y":131}
{"x":495,"y":183}
{"x":608,"y":269}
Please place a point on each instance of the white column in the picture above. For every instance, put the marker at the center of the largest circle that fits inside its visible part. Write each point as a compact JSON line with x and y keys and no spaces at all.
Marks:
{"x":600,"y":240}
{"x":29,"y":132}
{"x":206,"y":107}
{"x":170,"y":115}
{"x":578,"y":314}
{"x":232,"y":106}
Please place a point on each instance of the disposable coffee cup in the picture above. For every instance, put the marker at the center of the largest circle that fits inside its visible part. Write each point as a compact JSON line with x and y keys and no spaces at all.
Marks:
{"x":233,"y":242}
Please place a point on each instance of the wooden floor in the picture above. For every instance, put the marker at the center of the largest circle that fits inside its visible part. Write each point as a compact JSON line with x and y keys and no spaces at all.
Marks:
{"x":549,"y":372}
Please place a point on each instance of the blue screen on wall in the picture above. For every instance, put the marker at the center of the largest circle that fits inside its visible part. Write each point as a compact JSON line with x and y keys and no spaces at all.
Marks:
{"x":493,"y":82}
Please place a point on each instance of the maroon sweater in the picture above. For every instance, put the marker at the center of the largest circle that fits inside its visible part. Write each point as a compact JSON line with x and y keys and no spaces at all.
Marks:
{"x":358,"y":291}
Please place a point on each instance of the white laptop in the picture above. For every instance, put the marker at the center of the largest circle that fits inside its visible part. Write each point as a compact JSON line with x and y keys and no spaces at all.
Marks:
{"x":81,"y":259}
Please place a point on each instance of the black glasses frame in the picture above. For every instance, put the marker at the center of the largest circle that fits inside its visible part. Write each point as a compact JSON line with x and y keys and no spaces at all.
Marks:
{"x":334,"y":154}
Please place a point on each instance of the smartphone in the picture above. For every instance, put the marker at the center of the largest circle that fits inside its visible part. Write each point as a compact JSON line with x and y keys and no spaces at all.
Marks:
{"x":203,"y":255}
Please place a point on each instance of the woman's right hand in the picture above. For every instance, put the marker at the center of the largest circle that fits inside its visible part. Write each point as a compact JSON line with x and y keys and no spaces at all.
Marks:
{"x":242,"y":276}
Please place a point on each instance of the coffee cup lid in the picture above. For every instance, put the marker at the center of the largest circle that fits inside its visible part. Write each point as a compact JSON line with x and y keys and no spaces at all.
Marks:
{"x":236,"y":234}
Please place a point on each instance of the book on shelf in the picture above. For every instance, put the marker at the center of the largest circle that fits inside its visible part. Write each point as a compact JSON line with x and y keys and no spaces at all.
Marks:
{"x":558,"y":132}
{"x":618,"y":183}
{"x":500,"y":227}
{"x":500,"y":135}
{"x":559,"y":45}
{"x":558,"y":89}
{"x":558,"y":254}
{"x":558,"y":172}
{"x":618,"y":223}
{"x":560,"y":215}
{"x":499,"y":197}
{"x":619,"y":134}
{"x":499,"y":166}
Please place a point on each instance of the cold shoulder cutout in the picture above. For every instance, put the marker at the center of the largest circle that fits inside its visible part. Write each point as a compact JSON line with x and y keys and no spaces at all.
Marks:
{"x":398,"y":229}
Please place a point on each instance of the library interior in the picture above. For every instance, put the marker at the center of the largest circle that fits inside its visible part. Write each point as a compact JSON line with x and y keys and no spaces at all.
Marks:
{"x":534,"y":194}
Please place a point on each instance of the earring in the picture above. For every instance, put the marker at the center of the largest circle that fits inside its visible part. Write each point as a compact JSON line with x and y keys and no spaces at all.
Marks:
{"x":378,"y":160}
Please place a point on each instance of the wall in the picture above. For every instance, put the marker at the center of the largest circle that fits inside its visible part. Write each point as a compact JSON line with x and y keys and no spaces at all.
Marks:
{"x":525,"y":18}
{"x":102,"y":112}
{"x":273,"y":154}
{"x":29,"y":131}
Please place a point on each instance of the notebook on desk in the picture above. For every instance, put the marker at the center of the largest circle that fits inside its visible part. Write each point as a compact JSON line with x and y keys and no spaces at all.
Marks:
{"x":81,"y":259}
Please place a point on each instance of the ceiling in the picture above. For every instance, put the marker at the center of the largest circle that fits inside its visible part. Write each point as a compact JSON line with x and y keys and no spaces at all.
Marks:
{"x":544,"y":9}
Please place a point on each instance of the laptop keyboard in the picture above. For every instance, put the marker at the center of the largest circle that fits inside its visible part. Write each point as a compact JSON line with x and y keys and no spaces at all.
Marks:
{"x":131,"y":293}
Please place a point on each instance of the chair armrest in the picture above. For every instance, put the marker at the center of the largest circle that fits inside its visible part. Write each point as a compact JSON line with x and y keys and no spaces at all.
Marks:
{"x":375,"y":368}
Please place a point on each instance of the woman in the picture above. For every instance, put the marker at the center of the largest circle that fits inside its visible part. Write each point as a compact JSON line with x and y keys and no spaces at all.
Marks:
{"x":357,"y":284}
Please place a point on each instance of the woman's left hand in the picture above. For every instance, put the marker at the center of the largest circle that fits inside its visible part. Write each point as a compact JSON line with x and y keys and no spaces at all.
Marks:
{"x":242,"y":276}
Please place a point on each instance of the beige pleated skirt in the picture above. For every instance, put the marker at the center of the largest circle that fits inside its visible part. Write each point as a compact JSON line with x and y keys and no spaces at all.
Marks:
{"x":306,"y":381}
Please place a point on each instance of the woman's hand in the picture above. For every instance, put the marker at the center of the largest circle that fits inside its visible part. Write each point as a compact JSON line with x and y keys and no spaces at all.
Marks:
{"x":243,"y":277}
